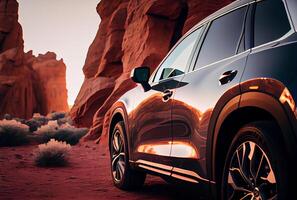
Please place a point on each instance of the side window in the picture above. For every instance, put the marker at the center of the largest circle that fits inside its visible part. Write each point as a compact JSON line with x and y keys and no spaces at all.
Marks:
{"x":222,"y":38}
{"x":271,"y":21}
{"x":176,"y":63}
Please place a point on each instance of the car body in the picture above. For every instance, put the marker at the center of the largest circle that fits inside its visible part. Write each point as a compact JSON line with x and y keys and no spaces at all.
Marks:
{"x":237,"y":66}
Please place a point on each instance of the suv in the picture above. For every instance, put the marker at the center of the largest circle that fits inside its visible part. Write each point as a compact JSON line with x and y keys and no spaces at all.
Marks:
{"x":219,"y":111}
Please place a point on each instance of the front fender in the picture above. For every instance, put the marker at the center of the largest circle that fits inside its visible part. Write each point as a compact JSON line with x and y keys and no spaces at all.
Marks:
{"x":120,"y":108}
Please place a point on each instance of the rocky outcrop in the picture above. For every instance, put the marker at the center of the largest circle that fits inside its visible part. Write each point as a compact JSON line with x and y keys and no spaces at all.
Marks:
{"x":51,"y":78}
{"x":28,"y":84}
{"x":131,"y":33}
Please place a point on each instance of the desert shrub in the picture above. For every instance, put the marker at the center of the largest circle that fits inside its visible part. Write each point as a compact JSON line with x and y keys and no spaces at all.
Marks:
{"x":36,"y":122}
{"x":7,"y":116}
{"x":46,"y":132}
{"x":65,"y":132}
{"x":61,"y":117}
{"x":70,"y":134}
{"x":23,"y":121}
{"x":57,"y":115}
{"x":65,"y":120}
{"x":13,"y":133}
{"x":33,"y":125}
{"x":52,"y":154}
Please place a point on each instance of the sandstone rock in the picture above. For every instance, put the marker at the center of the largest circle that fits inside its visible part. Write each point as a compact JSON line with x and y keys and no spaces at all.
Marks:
{"x":10,"y":29}
{"x":131,"y":33}
{"x":92,"y":95}
{"x":28,"y":84}
{"x":51,"y":75}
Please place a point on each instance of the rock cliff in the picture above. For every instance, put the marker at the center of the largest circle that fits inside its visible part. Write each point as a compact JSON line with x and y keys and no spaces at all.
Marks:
{"x":131,"y":33}
{"x":28,"y":84}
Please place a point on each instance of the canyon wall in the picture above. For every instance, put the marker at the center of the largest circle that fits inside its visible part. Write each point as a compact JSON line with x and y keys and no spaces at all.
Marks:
{"x":28,"y":84}
{"x":131,"y":33}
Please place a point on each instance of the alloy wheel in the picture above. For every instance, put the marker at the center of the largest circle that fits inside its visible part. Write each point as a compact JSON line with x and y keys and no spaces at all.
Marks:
{"x":117,"y":156}
{"x":250,"y":175}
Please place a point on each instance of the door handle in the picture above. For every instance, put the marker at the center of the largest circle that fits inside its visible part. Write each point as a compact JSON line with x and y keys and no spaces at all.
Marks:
{"x":227,"y":77}
{"x":167,"y":94}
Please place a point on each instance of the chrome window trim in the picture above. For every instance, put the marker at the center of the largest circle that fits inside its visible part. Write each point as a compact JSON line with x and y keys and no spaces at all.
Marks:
{"x":225,"y":59}
{"x":273,"y":41}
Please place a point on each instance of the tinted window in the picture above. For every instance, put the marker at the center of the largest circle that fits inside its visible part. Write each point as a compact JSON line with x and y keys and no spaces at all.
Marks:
{"x":222,"y":38}
{"x":292,"y":6}
{"x":271,"y":21}
{"x":176,"y":63}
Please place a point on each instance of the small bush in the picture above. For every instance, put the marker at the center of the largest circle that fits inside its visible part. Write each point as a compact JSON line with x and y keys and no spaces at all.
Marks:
{"x":36,"y":122}
{"x":70,"y":135}
{"x":57,"y":115}
{"x":52,"y":154}
{"x":7,"y":116}
{"x":60,"y":117}
{"x":65,"y":120}
{"x":65,"y":132}
{"x":23,"y":121}
{"x":46,"y":132}
{"x":13,"y":133}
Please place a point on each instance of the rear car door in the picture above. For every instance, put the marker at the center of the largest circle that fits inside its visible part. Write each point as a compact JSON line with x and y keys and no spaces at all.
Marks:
{"x":217,"y":69}
{"x":152,"y":132}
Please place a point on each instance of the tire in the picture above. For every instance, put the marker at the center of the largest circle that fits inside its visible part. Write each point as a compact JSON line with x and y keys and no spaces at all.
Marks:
{"x":122,"y":175}
{"x":256,"y":164}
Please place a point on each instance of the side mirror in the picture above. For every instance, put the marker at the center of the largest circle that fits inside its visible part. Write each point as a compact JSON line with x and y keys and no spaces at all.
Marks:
{"x":141,"y":75}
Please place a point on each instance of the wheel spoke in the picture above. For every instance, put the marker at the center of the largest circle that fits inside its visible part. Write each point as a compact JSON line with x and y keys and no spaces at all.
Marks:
{"x":114,"y":159}
{"x":247,"y":196}
{"x":253,"y":161}
{"x":121,"y":165}
{"x":241,"y":167}
{"x":115,"y":143}
{"x":259,"y":167}
{"x":248,"y":152}
{"x":270,"y":178}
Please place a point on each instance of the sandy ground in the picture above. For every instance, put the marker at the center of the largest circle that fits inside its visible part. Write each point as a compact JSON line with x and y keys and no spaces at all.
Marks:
{"x":87,"y":177}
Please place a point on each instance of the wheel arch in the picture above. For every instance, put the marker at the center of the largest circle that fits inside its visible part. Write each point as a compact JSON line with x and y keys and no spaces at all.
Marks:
{"x":252,"y":106}
{"x":118,"y":114}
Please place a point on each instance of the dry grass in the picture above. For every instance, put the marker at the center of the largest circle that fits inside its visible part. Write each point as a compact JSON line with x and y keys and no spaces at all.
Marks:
{"x":52,"y":154}
{"x":13,"y":133}
{"x":65,"y":132}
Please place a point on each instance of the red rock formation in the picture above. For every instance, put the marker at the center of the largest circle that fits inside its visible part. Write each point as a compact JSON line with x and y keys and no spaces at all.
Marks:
{"x":51,"y":75}
{"x":132,"y":33}
{"x":28,"y":84}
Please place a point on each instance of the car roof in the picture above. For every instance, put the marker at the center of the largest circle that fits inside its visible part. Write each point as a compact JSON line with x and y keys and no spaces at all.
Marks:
{"x":223,"y":10}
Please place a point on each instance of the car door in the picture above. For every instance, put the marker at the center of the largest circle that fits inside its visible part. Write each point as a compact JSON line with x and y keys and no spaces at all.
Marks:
{"x":218,"y":67}
{"x":152,"y":132}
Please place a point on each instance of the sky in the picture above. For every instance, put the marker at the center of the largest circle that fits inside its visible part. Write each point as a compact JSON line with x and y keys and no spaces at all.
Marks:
{"x":66,"y":27}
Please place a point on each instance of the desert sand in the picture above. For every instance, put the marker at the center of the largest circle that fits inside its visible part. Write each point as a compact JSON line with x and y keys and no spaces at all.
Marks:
{"x":86,"y":177}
